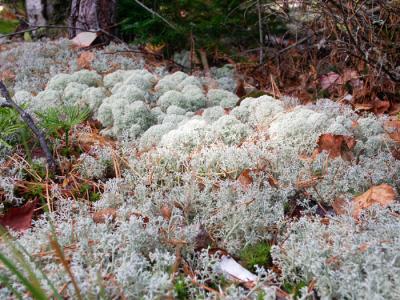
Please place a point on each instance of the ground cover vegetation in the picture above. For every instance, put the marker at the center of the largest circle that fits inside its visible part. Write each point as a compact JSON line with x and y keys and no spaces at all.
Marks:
{"x":195,"y":177}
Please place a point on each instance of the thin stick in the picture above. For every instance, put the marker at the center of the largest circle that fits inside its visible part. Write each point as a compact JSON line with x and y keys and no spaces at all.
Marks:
{"x":156,"y":14}
{"x":260,"y":32}
{"x":31,"y":124}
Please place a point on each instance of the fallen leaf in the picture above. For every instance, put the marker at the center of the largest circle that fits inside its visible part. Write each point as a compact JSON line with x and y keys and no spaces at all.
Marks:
{"x":85,"y":59}
{"x":102,"y":216}
{"x":376,"y":106}
{"x":155,"y":49}
{"x":392,"y":128}
{"x":380,"y":107}
{"x":19,"y":218}
{"x":383,"y":195}
{"x":336,"y":145}
{"x":7,"y":75}
{"x":166,"y":212}
{"x":394,"y":109}
{"x":202,"y":239}
{"x":330,"y":79}
{"x":245,"y":179}
{"x":234,"y":271}
{"x":84,"y":39}
{"x":363,"y":247}
{"x":339,"y":206}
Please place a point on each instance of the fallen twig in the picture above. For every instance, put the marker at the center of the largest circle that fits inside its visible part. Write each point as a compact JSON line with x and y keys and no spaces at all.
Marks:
{"x":31,"y":124}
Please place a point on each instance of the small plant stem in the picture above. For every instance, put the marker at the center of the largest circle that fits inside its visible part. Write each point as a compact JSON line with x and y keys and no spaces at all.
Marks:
{"x":56,"y":247}
{"x":66,"y":138}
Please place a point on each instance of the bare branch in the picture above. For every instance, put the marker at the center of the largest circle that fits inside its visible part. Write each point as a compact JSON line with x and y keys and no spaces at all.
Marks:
{"x":31,"y":124}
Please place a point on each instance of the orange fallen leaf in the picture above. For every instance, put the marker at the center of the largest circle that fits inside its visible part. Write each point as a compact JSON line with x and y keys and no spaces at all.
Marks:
{"x":85,"y":59}
{"x":383,"y":195}
{"x":245,"y":179}
{"x":336,"y":145}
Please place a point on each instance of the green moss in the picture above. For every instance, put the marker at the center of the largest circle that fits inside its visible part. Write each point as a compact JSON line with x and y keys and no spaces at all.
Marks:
{"x":293,"y":288}
{"x":8,"y":26}
{"x":258,"y":254}
{"x":181,"y":289}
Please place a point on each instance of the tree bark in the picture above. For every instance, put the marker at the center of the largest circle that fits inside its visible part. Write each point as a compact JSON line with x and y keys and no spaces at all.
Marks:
{"x":46,"y":12}
{"x":91,"y":15}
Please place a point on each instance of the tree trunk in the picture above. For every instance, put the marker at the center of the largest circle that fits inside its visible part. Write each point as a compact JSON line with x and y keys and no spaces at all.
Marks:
{"x":46,"y":12}
{"x":35,"y":10}
{"x":91,"y":15}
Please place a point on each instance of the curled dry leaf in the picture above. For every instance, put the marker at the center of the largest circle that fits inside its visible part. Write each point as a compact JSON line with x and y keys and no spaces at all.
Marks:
{"x":336,"y":145}
{"x":102,"y":216}
{"x":19,"y":218}
{"x":383,"y":195}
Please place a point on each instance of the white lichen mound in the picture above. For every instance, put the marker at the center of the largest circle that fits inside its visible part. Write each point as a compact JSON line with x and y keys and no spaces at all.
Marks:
{"x":258,"y":111}
{"x":93,"y":97}
{"x":193,"y":171}
{"x":223,"y":98}
{"x":152,"y":137}
{"x":46,"y":98}
{"x":187,"y":136}
{"x":230,"y":130}
{"x":73,"y":92}
{"x":90,"y":78}
{"x":172,"y":98}
{"x":59,"y":82}
{"x":299,"y":128}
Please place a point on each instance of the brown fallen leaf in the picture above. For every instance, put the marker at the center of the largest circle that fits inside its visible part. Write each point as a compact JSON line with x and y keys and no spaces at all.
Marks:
{"x":339,"y":206}
{"x":19,"y":218}
{"x":383,"y":195}
{"x":84,"y":39}
{"x":85,"y":59}
{"x":102,"y":215}
{"x":376,"y":106}
{"x":392,"y":128}
{"x":166,"y":212}
{"x":245,"y":179}
{"x":7,"y":75}
{"x":336,"y":145}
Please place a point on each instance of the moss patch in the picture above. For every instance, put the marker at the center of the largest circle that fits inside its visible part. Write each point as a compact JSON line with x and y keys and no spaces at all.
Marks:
{"x":7,"y":26}
{"x":258,"y":254}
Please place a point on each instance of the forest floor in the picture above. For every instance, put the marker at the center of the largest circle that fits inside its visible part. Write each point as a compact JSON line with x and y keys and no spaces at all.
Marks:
{"x":173,"y":185}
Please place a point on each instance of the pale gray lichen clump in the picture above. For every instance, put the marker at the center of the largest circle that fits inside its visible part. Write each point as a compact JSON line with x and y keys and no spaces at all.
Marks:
{"x":184,"y":148}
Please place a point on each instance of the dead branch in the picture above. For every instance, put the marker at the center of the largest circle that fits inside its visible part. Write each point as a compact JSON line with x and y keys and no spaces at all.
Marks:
{"x":31,"y":124}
